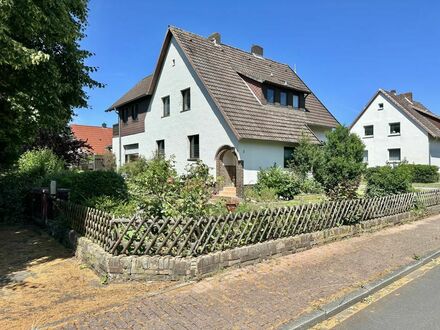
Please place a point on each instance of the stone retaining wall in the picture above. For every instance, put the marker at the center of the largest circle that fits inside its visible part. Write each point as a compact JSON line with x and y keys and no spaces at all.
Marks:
{"x":178,"y":268}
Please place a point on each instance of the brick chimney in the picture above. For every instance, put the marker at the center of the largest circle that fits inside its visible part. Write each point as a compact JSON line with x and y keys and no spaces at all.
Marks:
{"x":257,"y":50}
{"x":408,"y":95}
{"x":216,"y":38}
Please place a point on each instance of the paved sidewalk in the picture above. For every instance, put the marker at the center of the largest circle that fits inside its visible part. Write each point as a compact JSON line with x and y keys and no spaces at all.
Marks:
{"x":272,"y":293}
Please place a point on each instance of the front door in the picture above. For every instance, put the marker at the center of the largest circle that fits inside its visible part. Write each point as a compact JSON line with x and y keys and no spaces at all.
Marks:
{"x":231,"y":170}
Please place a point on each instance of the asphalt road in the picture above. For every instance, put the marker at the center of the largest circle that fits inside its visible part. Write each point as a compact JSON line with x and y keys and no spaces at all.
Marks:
{"x":415,"y":305}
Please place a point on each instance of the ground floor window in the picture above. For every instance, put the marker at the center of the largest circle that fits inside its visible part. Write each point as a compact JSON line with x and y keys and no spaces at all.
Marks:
{"x":394,"y":155}
{"x":160,"y":147}
{"x":131,"y":157}
{"x":194,"y":147}
{"x":366,"y":156}
{"x":288,"y":156}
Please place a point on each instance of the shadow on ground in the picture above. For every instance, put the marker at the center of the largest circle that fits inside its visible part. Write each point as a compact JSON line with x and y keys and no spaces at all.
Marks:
{"x":23,"y":246}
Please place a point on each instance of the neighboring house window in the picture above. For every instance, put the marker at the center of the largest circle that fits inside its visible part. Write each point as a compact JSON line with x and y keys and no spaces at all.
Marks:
{"x":270,"y":95}
{"x":161,"y":147}
{"x":380,"y":106}
{"x":124,"y":115}
{"x":288,"y":156}
{"x":295,"y":101}
{"x":134,"y":112}
{"x":131,"y":157}
{"x":394,"y":155}
{"x":194,"y":147}
{"x":283,"y":98}
{"x":395,"y":128}
{"x":366,"y":156}
{"x":369,"y":130}
{"x":186,"y":100}
{"x":166,"y":106}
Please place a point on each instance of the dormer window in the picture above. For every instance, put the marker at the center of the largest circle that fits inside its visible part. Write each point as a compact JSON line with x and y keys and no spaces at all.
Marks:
{"x":295,"y":101}
{"x":134,"y":112}
{"x":283,"y":98}
{"x":270,"y":95}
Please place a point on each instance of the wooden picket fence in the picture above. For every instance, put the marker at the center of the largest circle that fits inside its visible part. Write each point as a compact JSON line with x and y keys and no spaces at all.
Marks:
{"x":196,"y":236}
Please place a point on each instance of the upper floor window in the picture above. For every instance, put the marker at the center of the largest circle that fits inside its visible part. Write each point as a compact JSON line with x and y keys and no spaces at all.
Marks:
{"x":380,"y":106}
{"x":160,"y":147}
{"x":395,"y":128}
{"x":124,"y":114}
{"x":194,"y":147}
{"x":134,"y":112}
{"x":186,"y":99}
{"x":295,"y":101}
{"x":394,"y":155}
{"x":369,"y":130}
{"x":283,"y":98}
{"x":270,"y":95}
{"x":288,"y":156}
{"x":166,"y":106}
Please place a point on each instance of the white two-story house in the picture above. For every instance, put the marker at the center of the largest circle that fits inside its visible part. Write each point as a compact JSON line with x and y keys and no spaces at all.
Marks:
{"x":394,"y":127}
{"x":237,"y":111}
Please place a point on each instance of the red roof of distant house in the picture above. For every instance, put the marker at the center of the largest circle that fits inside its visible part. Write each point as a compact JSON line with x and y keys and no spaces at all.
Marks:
{"x":99,"y":138}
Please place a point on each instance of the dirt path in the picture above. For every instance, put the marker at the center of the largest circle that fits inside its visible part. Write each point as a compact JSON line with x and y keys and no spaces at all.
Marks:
{"x":40,"y":282}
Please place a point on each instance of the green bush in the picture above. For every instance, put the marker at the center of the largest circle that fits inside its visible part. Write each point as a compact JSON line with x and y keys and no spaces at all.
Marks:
{"x":423,"y":173}
{"x":386,"y":180}
{"x":311,"y":186}
{"x":86,"y":186}
{"x":286,"y":184}
{"x":39,"y":162}
{"x":304,"y":157}
{"x":339,"y":164}
{"x":15,"y":185}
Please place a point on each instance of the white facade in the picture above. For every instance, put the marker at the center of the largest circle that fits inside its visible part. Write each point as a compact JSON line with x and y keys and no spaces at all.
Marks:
{"x":414,"y":143}
{"x":203,"y":119}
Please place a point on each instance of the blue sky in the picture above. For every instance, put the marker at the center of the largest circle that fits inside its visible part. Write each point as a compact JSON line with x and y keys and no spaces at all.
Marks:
{"x":343,"y":50}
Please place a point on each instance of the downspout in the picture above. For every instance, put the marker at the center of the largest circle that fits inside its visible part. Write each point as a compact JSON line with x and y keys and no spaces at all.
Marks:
{"x":120,"y":140}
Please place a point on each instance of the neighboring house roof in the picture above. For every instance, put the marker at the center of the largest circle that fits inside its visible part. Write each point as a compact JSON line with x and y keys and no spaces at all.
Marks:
{"x":221,"y":67}
{"x":138,"y":91}
{"x":414,"y":109}
{"x":99,"y":138}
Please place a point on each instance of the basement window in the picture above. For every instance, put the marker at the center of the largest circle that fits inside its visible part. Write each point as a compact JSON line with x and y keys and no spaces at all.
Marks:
{"x":160,"y":147}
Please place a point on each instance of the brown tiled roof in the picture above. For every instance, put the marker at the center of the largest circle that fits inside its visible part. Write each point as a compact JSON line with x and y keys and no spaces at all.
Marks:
{"x":99,"y":138}
{"x":139,"y":90}
{"x":425,"y":118}
{"x":219,"y":67}
{"x":414,"y":109}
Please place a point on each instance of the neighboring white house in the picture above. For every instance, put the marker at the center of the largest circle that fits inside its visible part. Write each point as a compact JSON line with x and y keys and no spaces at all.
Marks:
{"x":394,"y":127}
{"x":236,"y":111}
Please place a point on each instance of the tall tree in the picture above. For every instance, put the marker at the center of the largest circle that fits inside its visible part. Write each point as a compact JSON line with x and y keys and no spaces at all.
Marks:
{"x":63,"y":144}
{"x":42,"y":69}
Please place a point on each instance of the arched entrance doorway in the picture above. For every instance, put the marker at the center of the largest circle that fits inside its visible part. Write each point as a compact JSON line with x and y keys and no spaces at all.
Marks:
{"x":229,"y":168}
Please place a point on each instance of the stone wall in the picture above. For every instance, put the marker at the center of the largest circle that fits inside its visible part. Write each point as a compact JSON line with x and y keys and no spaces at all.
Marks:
{"x":178,"y":268}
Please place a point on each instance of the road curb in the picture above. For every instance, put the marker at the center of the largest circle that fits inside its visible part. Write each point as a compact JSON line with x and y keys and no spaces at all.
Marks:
{"x":310,"y":319}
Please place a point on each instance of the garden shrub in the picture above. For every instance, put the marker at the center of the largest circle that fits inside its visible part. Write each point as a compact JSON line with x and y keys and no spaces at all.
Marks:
{"x":339,"y":164}
{"x":286,"y":184}
{"x":311,"y":186}
{"x":15,"y":184}
{"x":86,"y":186}
{"x":386,"y":180}
{"x":39,"y":162}
{"x":304,"y":157}
{"x":423,"y":173}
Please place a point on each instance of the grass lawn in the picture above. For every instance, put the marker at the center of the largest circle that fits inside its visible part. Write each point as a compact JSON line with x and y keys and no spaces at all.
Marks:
{"x":426,"y":186}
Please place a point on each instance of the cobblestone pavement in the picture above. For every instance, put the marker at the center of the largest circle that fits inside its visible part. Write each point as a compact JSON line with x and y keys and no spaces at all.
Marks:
{"x":270,"y":294}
